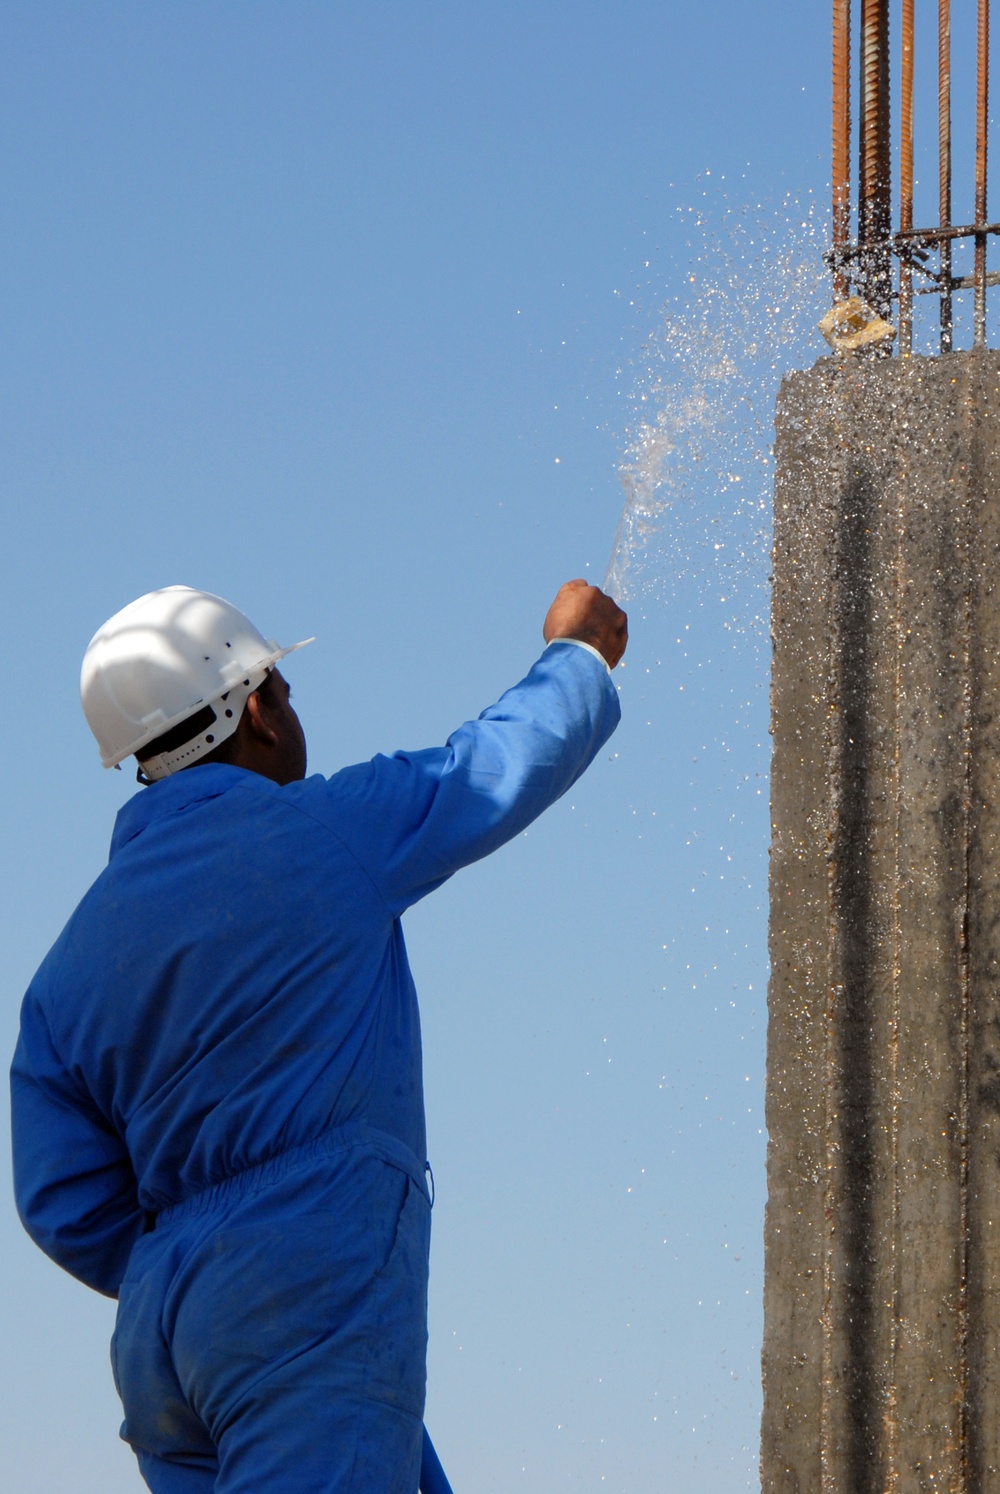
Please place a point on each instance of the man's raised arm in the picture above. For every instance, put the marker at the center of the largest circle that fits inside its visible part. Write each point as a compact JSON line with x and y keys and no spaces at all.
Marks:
{"x":417,"y":817}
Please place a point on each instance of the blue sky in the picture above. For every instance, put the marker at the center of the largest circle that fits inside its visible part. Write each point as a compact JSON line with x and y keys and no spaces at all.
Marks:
{"x":350,"y":313}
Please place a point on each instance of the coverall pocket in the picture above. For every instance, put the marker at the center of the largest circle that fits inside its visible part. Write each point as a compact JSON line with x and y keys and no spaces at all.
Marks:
{"x":294,"y":1265}
{"x":397,"y":1363}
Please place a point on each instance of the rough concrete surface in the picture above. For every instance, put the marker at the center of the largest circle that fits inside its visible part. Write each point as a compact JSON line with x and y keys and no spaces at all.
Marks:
{"x":882,"y":1278}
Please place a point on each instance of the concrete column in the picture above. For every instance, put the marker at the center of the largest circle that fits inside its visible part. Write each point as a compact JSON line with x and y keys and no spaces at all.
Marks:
{"x":882,"y":1283}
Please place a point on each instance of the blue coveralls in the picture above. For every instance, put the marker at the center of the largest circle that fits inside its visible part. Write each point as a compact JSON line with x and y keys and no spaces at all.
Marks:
{"x":217,"y":1095}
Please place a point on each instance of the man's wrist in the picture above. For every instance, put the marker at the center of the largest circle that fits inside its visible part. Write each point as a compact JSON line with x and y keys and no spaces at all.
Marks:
{"x":579,"y":643}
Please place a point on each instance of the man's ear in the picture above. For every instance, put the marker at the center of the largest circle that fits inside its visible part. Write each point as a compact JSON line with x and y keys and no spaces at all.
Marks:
{"x":256,"y":715}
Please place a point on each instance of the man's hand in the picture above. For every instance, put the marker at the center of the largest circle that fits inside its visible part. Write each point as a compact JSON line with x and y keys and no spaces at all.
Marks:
{"x":584,"y":612}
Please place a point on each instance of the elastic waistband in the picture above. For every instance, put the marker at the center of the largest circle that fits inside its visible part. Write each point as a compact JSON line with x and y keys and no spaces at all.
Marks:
{"x":342,"y":1138}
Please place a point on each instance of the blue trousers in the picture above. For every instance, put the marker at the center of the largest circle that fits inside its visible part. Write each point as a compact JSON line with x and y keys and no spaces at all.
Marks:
{"x":272,"y":1332}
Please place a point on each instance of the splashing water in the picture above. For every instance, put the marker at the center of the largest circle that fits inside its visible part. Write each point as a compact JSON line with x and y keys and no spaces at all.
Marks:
{"x":697,"y":468}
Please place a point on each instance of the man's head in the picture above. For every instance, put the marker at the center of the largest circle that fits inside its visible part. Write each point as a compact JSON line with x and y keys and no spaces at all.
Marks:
{"x":181,"y":676}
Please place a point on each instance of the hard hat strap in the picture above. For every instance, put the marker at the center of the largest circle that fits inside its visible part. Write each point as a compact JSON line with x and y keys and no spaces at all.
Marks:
{"x":201,"y":732}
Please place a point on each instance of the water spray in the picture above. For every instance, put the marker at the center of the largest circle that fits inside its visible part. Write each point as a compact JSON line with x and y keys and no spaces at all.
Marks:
{"x":697,"y":467}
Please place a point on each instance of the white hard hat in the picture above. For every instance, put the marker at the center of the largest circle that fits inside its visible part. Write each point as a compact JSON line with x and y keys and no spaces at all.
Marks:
{"x":172,"y":655}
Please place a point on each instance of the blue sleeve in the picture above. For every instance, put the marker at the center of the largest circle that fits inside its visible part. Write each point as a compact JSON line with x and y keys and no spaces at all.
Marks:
{"x":417,"y":817}
{"x":74,"y":1185}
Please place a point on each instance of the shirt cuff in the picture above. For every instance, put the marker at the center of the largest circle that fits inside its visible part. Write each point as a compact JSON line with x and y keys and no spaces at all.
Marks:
{"x":579,"y":643}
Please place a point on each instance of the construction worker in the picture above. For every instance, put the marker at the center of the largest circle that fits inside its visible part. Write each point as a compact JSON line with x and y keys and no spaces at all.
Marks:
{"x":217,"y":1098}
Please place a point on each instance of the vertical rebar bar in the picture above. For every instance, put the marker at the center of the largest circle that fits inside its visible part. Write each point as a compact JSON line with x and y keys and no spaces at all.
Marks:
{"x":906,"y":181}
{"x":944,"y":168}
{"x":982,"y":114}
{"x":841,"y":143}
{"x":875,"y":194}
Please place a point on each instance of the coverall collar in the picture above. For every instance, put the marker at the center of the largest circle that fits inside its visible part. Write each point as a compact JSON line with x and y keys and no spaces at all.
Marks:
{"x":175,"y":793}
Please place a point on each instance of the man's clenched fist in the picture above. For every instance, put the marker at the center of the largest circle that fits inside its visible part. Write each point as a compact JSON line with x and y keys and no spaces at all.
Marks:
{"x":586,"y":613}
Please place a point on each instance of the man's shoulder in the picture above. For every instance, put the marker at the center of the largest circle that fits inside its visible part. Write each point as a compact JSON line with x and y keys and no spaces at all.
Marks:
{"x":346,"y":792}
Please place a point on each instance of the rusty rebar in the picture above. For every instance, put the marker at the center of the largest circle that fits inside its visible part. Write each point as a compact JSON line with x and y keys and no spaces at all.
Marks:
{"x":841,"y":141}
{"x":906,"y":181}
{"x":944,"y":168}
{"x":874,"y":196}
{"x":982,"y":122}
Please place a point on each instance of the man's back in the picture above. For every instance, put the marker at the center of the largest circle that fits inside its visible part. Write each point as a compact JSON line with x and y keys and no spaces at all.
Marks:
{"x":230,"y":985}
